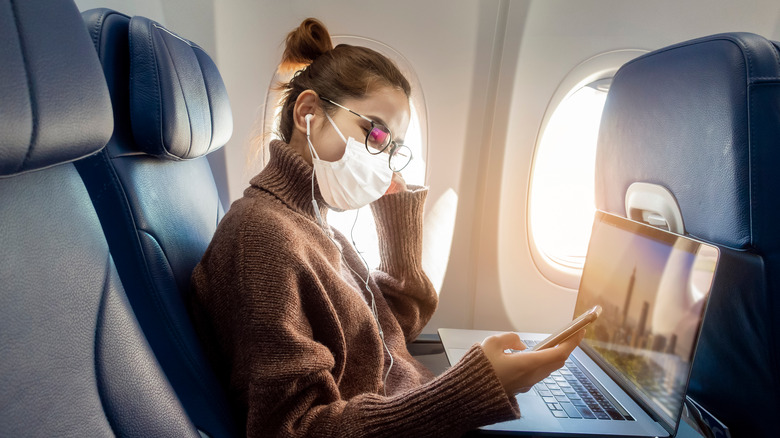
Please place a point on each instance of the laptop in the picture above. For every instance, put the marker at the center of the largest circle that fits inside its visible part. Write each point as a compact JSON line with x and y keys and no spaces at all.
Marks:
{"x":630,"y":374}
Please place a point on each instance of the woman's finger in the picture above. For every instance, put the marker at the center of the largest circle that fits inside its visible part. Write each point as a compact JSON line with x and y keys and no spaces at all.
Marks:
{"x":397,"y":184}
{"x":505,"y":341}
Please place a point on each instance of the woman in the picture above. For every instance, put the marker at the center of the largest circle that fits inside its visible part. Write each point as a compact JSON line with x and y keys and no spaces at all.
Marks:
{"x":306,"y":340}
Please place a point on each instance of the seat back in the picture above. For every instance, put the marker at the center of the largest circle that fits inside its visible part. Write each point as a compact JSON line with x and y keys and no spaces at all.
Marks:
{"x":73,"y":360}
{"x":154,"y":191}
{"x":701,"y":119}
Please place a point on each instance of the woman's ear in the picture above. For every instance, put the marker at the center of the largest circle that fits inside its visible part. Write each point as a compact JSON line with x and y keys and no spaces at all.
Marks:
{"x":307,"y":103}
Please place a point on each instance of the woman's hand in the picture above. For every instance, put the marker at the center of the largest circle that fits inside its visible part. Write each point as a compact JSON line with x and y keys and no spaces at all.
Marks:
{"x":397,"y":184}
{"x":519,"y":372}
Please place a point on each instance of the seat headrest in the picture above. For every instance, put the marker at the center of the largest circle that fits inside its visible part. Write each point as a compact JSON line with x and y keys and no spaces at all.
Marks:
{"x":179,"y":107}
{"x":701,"y":119}
{"x":54,"y":104}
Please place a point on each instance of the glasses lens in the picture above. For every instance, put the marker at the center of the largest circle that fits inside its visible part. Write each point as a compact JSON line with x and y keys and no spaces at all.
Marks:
{"x":378,"y":138}
{"x":400,"y":158}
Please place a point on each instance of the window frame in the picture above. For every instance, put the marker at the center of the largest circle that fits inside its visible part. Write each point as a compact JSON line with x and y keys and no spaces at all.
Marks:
{"x":597,"y":68}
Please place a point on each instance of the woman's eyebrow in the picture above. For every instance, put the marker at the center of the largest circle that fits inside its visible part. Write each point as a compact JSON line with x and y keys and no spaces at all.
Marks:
{"x":378,"y":120}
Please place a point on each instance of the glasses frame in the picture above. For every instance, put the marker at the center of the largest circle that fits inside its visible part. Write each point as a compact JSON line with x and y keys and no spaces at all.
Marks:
{"x":396,"y":146}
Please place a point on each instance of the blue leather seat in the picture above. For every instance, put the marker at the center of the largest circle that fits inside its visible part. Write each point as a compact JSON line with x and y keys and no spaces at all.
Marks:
{"x":154,"y":191}
{"x":73,"y":360}
{"x":702,"y":120}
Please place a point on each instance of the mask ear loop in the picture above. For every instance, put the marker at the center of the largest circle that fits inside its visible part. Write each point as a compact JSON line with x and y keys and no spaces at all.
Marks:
{"x":338,"y":131}
{"x":321,"y":223}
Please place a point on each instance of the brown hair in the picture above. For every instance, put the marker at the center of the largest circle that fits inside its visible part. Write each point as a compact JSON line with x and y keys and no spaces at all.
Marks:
{"x":336,"y":73}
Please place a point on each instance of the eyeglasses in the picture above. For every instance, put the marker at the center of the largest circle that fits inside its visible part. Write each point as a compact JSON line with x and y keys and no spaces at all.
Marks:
{"x":379,"y":139}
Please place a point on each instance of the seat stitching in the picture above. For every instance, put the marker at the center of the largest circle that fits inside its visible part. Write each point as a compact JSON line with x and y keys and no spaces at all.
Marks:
{"x":211,"y":112}
{"x":174,"y":333}
{"x":189,"y":43}
{"x":219,"y":204}
{"x":184,"y":95}
{"x":208,"y":99}
{"x":157,"y":103}
{"x":95,"y":32}
{"x":749,"y":57}
{"x":774,"y":50}
{"x":751,"y":167}
{"x":96,"y":352}
{"x":124,"y":202}
{"x":30,"y":89}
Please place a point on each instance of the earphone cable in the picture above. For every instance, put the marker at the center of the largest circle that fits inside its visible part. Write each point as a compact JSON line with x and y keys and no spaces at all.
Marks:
{"x":373,"y":307}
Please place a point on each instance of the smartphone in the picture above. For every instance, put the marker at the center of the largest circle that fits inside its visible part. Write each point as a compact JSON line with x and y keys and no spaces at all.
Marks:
{"x":566,"y":332}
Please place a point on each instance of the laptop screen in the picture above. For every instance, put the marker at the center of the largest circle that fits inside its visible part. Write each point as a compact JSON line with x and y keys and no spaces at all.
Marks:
{"x":653,"y":287}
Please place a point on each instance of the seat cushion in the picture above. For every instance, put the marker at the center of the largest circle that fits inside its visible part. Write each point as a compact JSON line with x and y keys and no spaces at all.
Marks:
{"x":74,"y":360}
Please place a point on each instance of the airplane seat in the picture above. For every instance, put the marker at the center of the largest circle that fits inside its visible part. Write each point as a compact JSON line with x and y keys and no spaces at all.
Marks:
{"x":694,"y":128}
{"x":155,"y":193}
{"x":73,"y":360}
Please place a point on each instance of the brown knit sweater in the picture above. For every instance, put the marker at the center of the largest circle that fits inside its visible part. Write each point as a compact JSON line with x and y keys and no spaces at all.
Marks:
{"x":291,"y":334}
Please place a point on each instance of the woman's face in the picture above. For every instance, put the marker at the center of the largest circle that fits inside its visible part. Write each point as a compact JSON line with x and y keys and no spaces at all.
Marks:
{"x":388,"y":106}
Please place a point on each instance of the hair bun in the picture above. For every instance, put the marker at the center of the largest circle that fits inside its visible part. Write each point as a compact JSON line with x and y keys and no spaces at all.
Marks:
{"x":305,"y":44}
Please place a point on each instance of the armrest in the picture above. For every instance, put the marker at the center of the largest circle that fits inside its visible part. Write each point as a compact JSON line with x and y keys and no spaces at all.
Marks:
{"x":426,"y":344}
{"x":428,"y":349}
{"x":428,"y":338}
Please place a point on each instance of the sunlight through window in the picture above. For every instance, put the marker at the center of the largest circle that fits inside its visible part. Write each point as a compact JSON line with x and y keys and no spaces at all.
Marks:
{"x":562,"y":201}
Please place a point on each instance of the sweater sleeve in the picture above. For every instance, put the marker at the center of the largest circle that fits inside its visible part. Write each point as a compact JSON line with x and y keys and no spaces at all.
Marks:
{"x":289,"y":378}
{"x":400,"y":276}
{"x":308,"y":404}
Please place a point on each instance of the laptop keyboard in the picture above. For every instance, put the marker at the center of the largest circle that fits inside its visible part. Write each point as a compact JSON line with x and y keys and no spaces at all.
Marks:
{"x":569,"y":393}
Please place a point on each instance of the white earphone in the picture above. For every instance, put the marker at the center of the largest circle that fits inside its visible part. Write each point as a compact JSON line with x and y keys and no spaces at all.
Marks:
{"x":308,"y":118}
{"x":321,"y":223}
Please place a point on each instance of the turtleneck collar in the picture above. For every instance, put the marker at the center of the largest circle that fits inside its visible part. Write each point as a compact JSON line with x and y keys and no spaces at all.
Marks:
{"x":288,"y":177}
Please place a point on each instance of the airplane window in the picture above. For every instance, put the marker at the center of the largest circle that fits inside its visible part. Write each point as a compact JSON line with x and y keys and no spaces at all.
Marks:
{"x":562,"y":187}
{"x":416,"y":137}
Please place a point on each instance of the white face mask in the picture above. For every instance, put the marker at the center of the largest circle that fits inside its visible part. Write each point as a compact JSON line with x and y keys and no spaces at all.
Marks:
{"x":356,"y":179}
